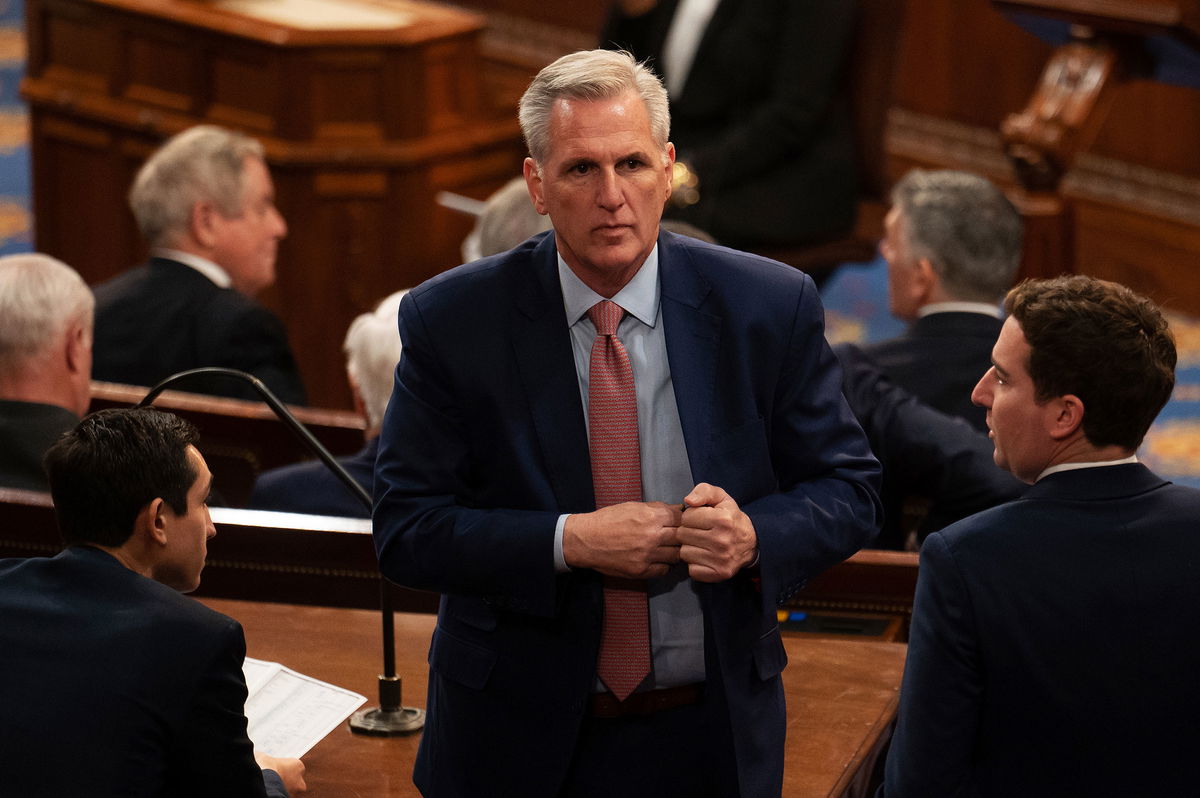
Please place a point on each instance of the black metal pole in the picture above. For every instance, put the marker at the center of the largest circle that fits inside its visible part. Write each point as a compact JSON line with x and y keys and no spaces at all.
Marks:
{"x":390,"y":717}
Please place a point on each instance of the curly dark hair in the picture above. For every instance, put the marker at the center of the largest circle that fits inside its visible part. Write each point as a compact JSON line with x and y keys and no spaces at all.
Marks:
{"x":1102,"y":342}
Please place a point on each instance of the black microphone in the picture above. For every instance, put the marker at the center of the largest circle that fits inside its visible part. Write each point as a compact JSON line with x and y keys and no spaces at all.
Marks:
{"x":390,"y":717}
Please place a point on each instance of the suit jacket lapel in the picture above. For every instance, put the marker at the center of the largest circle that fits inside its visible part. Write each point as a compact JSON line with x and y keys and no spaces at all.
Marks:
{"x":693,"y":339}
{"x":547,"y":369}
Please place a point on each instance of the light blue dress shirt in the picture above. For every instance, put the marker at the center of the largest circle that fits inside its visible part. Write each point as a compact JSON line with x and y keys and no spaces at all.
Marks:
{"x":676,"y":618}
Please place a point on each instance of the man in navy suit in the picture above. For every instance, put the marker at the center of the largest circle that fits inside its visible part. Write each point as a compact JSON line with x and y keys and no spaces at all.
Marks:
{"x":754,"y":476}
{"x":952,"y":242}
{"x":113,"y":685}
{"x":206,"y":204}
{"x":1051,"y":650}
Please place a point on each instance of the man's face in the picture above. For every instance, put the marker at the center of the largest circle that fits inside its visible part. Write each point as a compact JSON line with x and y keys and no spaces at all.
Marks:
{"x":1017,"y":424}
{"x":603,"y":182}
{"x":188,"y":533}
{"x":246,"y":244}
{"x":904,"y":297}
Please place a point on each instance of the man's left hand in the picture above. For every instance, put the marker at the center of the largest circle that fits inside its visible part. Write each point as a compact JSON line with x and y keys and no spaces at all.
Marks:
{"x":716,"y":538}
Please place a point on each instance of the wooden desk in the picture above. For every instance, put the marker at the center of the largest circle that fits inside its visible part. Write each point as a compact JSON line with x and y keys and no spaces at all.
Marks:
{"x":841,"y":698}
{"x":240,"y":439}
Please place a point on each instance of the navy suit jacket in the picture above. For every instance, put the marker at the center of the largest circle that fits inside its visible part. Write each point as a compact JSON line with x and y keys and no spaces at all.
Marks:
{"x":940,"y":358}
{"x":166,"y":317}
{"x":115,"y":686}
{"x":1053,"y":648}
{"x":27,"y":431}
{"x":310,"y":487}
{"x":484,"y":444}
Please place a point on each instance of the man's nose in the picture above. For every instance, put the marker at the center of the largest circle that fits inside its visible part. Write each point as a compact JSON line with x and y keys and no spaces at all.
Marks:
{"x":981,"y":394}
{"x":281,"y":228}
{"x":609,"y":193}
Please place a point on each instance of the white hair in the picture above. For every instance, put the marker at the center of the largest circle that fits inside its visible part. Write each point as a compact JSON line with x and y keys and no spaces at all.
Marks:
{"x":372,"y":348}
{"x":590,"y":75}
{"x":202,"y":164}
{"x":40,"y":297}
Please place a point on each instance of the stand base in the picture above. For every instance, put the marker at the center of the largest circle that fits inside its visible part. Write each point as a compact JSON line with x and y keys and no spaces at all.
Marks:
{"x":387,"y":722}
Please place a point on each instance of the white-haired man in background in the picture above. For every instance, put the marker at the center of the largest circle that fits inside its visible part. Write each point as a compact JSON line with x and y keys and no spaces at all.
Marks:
{"x":372,"y":347}
{"x":46,"y":314}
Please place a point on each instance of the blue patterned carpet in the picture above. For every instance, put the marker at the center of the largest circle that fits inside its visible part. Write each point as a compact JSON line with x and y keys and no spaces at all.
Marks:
{"x":856,"y":310}
{"x":16,"y":222}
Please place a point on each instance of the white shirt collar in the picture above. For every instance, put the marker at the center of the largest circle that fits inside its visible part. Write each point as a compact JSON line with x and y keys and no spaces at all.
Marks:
{"x":638,"y":298}
{"x":206,"y":267}
{"x":1054,"y":469}
{"x":983,"y":308}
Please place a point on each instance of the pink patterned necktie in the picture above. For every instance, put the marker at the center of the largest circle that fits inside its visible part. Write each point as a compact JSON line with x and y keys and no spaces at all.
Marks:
{"x":624,"y":657}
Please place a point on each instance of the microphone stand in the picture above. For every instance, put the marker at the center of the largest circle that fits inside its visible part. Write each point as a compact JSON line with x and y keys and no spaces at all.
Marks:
{"x":390,"y":717}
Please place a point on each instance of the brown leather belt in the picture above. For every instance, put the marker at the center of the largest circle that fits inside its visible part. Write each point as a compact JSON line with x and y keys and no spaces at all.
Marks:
{"x":606,"y":705}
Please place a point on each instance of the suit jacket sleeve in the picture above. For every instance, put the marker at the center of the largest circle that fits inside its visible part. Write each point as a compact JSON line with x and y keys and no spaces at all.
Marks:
{"x":824,"y":505}
{"x":214,"y":755}
{"x":924,"y":452}
{"x":940,"y":697}
{"x":427,"y":533}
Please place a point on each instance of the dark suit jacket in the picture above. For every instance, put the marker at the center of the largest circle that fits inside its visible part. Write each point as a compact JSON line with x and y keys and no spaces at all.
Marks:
{"x":1052,"y":650}
{"x":165,"y":317}
{"x":927,"y":456}
{"x":763,"y":117}
{"x":112,"y":684}
{"x":27,"y":430}
{"x":312,"y":488}
{"x":940,"y":359}
{"x":485,"y":444}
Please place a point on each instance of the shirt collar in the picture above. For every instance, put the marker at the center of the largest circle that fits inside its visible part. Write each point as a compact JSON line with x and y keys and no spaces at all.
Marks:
{"x":639,"y":297}
{"x":983,"y":308}
{"x":203,"y":265}
{"x":1054,"y":469}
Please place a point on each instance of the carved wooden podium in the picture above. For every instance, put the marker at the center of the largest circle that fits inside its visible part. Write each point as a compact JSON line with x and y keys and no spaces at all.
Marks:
{"x":1072,"y":99}
{"x":366,"y":108}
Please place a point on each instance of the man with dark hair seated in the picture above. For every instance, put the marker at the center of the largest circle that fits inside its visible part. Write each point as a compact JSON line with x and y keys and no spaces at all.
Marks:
{"x":111,"y":682}
{"x":1051,"y":651}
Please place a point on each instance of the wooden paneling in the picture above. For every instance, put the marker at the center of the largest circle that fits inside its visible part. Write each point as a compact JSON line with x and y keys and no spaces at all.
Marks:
{"x":1128,"y":206}
{"x":362,"y":128}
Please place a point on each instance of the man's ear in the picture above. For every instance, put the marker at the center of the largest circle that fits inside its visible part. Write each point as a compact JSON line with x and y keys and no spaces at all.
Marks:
{"x":151,"y":522}
{"x":670,"y":167}
{"x":533,"y":182}
{"x":925,"y":280}
{"x":79,"y":344}
{"x":202,"y":223}
{"x":1066,"y":417}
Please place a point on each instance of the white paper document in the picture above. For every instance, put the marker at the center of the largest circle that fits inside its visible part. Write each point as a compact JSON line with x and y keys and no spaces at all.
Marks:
{"x":289,"y":712}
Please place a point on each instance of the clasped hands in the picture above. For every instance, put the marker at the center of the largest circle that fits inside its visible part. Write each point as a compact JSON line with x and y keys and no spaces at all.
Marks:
{"x":641,"y":540}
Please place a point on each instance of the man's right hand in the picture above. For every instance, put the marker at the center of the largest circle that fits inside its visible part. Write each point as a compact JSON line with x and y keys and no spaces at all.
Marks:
{"x":633,"y":540}
{"x":291,"y":771}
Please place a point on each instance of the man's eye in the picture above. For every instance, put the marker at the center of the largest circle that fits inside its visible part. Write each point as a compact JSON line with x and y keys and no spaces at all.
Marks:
{"x":580,"y":169}
{"x":632,"y":163}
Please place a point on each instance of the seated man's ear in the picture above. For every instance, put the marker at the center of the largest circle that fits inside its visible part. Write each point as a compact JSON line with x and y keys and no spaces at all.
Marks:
{"x":1066,"y":416}
{"x":151,"y":522}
